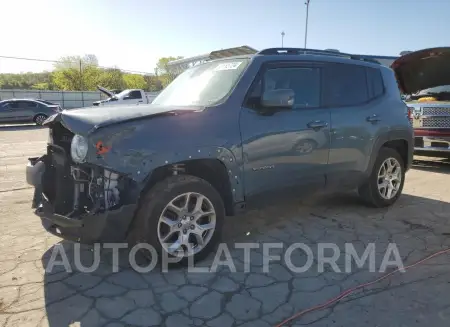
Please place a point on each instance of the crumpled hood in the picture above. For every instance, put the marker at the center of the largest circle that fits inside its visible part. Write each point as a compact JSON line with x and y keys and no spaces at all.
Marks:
{"x":423,"y":69}
{"x":86,"y":120}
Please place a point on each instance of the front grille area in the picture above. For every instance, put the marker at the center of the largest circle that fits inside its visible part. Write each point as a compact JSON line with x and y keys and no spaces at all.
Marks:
{"x":436,"y":111}
{"x":436,"y":122}
{"x":57,"y":181}
{"x":61,"y":136}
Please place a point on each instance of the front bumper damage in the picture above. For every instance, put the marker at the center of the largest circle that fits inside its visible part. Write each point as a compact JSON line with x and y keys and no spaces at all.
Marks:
{"x":81,"y":203}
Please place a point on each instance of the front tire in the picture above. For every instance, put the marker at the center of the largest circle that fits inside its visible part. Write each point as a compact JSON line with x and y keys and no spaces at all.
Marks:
{"x":180,"y":217}
{"x":385,"y":184}
{"x":39,"y":119}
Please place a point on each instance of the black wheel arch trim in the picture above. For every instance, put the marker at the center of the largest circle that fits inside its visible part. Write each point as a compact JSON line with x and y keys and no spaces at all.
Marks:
{"x":401,"y":135}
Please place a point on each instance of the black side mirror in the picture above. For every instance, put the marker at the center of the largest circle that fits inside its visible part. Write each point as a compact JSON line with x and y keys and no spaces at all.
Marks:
{"x":278,"y":99}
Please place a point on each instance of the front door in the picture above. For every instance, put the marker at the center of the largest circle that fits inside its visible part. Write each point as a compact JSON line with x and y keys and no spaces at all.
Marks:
{"x":6,"y":112}
{"x":133,"y":97}
{"x":285,"y":148}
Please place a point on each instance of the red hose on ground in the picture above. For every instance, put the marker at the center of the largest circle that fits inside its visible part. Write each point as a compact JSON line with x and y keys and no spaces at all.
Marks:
{"x":352,"y":290}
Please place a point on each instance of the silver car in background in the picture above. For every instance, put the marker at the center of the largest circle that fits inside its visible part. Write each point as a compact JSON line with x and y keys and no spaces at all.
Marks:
{"x":26,"y":111}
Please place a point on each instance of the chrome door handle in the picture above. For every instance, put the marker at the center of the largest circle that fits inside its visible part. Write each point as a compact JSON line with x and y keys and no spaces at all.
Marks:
{"x":317,"y":124}
{"x":373,"y":119}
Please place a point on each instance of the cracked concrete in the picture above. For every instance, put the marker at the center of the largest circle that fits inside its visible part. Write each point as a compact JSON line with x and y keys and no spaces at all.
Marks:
{"x":418,"y":223}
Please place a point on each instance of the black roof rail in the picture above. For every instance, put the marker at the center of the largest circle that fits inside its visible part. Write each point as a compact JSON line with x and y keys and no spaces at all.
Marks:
{"x":300,"y":51}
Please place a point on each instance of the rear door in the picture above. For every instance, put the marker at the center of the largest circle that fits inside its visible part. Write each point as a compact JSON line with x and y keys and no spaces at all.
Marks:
{"x":26,"y":110}
{"x":354,"y":95}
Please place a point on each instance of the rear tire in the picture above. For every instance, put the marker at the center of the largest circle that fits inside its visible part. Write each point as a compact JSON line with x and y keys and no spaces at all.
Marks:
{"x":383,"y":188}
{"x":186,"y":225}
{"x":39,"y":119}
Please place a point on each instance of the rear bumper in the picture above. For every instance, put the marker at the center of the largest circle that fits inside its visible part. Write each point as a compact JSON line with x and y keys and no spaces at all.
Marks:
{"x":106,"y":226}
{"x":432,"y":145}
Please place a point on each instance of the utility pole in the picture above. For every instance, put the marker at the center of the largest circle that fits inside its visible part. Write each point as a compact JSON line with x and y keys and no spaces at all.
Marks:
{"x":81,"y":77}
{"x":306,"y":26}
{"x":282,"y":39}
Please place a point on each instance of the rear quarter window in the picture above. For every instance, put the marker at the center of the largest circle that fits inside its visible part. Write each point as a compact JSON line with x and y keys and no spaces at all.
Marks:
{"x":374,"y":82}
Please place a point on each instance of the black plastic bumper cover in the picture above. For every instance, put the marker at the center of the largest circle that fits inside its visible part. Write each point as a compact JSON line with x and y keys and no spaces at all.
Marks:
{"x":107,"y":226}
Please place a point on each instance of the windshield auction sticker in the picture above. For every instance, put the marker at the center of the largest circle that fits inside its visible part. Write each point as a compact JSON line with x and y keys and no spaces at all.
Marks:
{"x":228,"y":66}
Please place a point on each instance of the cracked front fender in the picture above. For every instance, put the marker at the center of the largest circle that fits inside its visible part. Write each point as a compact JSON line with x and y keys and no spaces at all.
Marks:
{"x":136,"y":149}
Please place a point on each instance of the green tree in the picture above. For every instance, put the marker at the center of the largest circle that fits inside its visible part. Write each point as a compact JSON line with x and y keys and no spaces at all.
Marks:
{"x":24,"y":80}
{"x":164,"y":72}
{"x":153,"y":83}
{"x":40,"y":86}
{"x":162,"y":66}
{"x":71,"y":79}
{"x":77,"y":73}
{"x":134,"y":81}
{"x":111,"y":79}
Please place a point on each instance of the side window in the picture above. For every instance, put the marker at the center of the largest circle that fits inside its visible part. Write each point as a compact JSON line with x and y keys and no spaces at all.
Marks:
{"x":304,"y":81}
{"x":374,"y":82}
{"x":4,"y":105}
{"x":345,"y":85}
{"x":254,"y":96}
{"x":25,"y":104}
{"x":14,"y":105}
{"x":135,"y":95}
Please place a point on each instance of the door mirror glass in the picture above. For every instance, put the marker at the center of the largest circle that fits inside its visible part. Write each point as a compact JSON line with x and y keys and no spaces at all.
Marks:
{"x":280,"y":98}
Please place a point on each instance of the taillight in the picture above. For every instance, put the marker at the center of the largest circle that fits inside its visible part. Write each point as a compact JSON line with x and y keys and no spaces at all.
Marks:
{"x":410,"y":113}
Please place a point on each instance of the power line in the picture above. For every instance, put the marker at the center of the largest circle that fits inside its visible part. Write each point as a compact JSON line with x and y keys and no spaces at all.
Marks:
{"x":75,"y":62}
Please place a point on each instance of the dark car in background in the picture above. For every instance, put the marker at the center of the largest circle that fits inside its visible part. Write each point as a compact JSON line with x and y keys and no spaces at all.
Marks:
{"x":26,"y":111}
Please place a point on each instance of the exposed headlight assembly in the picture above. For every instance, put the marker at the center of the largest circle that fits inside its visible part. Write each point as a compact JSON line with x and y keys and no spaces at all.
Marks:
{"x":79,"y":148}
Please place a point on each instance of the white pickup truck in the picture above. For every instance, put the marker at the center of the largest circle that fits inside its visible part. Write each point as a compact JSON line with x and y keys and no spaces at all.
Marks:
{"x":130,"y":96}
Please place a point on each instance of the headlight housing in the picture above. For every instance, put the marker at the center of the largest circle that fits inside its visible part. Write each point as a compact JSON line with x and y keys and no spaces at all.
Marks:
{"x":79,"y":148}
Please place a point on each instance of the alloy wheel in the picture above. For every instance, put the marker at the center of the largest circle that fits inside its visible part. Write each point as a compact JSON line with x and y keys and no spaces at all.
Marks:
{"x":40,"y":119}
{"x":186,"y":224}
{"x":389,"y":178}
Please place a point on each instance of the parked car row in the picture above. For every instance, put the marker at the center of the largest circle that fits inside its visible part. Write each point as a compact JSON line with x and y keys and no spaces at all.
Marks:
{"x":27,"y":110}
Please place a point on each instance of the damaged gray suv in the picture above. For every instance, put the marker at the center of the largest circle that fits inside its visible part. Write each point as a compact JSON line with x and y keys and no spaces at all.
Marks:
{"x":223,"y":135}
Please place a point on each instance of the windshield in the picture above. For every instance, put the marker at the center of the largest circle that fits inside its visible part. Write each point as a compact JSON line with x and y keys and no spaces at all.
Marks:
{"x":206,"y":84}
{"x":121,"y":94}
